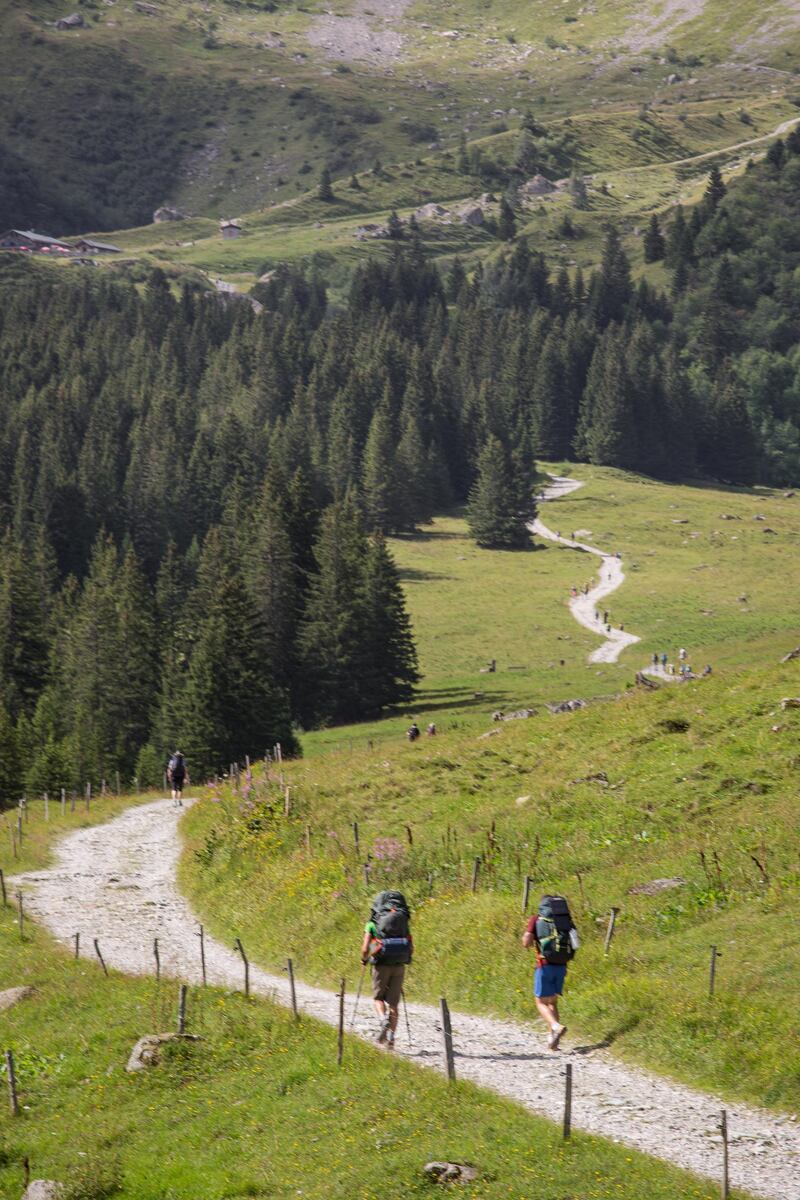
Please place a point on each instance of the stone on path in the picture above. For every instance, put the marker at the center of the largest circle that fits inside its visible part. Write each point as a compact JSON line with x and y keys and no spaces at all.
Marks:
{"x":147,"y":1051}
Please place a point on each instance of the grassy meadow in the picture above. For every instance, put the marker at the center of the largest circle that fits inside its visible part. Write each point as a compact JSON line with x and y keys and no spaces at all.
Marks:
{"x":258,"y":1107}
{"x":696,"y":783}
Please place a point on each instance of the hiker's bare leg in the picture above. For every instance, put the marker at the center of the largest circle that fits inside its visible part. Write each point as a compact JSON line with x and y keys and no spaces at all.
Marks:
{"x":380,"y":1009}
{"x":394,"y":1017}
{"x":548,"y":1009}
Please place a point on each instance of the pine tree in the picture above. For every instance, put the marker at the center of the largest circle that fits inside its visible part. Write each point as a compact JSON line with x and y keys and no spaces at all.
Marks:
{"x":231,"y":706}
{"x":394,"y":227}
{"x":507,"y":222}
{"x":325,"y":190}
{"x":552,"y":423}
{"x":612,"y":287}
{"x":380,"y":487}
{"x":11,"y":780}
{"x":332,"y":634}
{"x":679,"y":242}
{"x":608,"y":428}
{"x":391,"y":659}
{"x":654,"y":244}
{"x":715,"y":190}
{"x":733,"y":456}
{"x":415,"y":488}
{"x":271,"y":576}
{"x":493,"y":514}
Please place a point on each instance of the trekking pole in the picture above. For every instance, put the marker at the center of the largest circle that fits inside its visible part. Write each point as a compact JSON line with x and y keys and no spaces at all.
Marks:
{"x":358,"y":994}
{"x":405,"y":1010}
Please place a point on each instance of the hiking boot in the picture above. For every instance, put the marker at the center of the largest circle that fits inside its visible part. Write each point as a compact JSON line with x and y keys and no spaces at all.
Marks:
{"x":390,"y":1040}
{"x":383,"y":1031}
{"x":556,"y":1034}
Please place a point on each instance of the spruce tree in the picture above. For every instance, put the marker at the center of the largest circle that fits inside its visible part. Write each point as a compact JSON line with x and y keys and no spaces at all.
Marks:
{"x":391,"y":668}
{"x":380,"y":486}
{"x":231,"y":706}
{"x":552,"y":423}
{"x":493,"y":512}
{"x":271,"y":577}
{"x":612,"y":286}
{"x":654,"y":243}
{"x":11,"y":778}
{"x":715,"y":190}
{"x":507,"y":222}
{"x":325,"y":189}
{"x":609,"y":435}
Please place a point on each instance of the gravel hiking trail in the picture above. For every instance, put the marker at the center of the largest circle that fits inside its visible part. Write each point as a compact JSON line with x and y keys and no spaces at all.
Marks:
{"x":583,"y":608}
{"x":117,"y":883}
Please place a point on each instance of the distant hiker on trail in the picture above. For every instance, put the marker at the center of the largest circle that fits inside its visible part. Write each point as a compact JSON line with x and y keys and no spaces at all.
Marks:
{"x":596,"y":615}
{"x":413,"y":731}
{"x":605,"y":617}
{"x":655,"y":661}
{"x":177,"y":775}
{"x":664,"y":660}
{"x":707,"y":670}
{"x":431,"y":730}
{"x":388,"y":947}
{"x":553,"y":934}
{"x":682,"y":654}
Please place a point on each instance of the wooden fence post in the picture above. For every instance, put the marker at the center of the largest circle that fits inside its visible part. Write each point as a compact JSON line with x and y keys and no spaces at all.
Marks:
{"x":88,"y":796}
{"x":340,"y":1040}
{"x":157,"y":958}
{"x":723,"y":1128}
{"x":12,"y":1083}
{"x":21,"y":917}
{"x":308,"y":839}
{"x":182,"y":1010}
{"x":99,"y":955}
{"x":3,"y":887}
{"x":46,"y":799}
{"x":568,"y":1102}
{"x":238,"y":946}
{"x":447,"y":1036}
{"x":287,"y":803}
{"x":612,"y":920}
{"x":292,"y":992}
{"x":409,"y":835}
{"x":526,"y":893}
{"x":476,"y":866}
{"x":77,"y":938}
{"x":202,"y":935}
{"x":355,"y":839}
{"x":63,"y":802}
{"x":712,"y":969}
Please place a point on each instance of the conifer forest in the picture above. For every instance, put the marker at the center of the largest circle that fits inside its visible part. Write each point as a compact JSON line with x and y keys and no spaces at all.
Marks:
{"x":194,"y":495}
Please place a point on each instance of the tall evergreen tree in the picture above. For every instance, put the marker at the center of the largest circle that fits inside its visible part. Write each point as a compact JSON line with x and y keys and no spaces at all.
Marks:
{"x":654,"y":244}
{"x":493,"y":511}
{"x":391,"y":668}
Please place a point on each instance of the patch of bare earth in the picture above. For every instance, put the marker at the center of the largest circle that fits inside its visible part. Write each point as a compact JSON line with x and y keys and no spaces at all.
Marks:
{"x":370,"y":34}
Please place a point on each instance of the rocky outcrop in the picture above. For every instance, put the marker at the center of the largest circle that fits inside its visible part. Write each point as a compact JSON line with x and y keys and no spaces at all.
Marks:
{"x":147,"y":1051}
{"x":12,"y":996}
{"x":168,"y":214}
{"x":73,"y":21}
{"x":447,"y":1172}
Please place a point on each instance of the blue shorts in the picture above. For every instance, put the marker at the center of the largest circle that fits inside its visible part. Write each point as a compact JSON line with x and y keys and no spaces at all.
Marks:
{"x":549,"y":980}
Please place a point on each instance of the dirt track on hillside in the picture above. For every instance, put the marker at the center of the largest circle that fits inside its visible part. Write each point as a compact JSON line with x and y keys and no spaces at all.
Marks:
{"x":116,"y":882}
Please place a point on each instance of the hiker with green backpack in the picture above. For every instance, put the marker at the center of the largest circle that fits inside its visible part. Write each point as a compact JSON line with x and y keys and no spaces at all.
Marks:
{"x":555,"y":937}
{"x":388,"y":947}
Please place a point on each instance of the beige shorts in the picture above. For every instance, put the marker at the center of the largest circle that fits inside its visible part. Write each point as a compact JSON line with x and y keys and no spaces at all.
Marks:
{"x":387,"y":983}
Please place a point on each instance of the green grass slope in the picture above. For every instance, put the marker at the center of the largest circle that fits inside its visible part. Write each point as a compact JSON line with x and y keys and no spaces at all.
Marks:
{"x":232,"y":107}
{"x":258,"y":1107}
{"x":696,"y":782}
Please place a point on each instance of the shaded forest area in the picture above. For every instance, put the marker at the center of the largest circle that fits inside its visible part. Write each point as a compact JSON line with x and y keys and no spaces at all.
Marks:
{"x":194,"y":496}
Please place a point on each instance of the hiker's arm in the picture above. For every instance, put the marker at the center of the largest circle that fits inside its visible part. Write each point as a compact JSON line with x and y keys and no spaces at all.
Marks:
{"x":527,"y":939}
{"x":365,"y":948}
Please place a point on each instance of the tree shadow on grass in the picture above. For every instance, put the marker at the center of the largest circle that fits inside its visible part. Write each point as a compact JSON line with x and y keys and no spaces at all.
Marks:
{"x":412,"y":575}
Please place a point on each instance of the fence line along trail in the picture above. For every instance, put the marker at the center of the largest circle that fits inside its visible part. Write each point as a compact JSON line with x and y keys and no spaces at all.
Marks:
{"x":117,"y":882}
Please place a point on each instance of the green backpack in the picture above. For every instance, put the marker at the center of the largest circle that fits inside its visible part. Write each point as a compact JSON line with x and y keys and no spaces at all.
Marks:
{"x":553,"y":929}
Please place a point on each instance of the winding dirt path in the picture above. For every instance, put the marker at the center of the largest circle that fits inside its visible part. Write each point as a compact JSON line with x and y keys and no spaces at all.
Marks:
{"x":583,"y":608}
{"x":116,"y":882}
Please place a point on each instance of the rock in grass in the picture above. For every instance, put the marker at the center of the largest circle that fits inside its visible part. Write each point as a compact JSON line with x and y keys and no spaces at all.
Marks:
{"x":447,"y":1172}
{"x":147,"y":1051}
{"x":12,"y":996}
{"x":790,"y":702}
{"x":655,"y":886}
{"x":791,"y":655}
{"x":43,"y":1189}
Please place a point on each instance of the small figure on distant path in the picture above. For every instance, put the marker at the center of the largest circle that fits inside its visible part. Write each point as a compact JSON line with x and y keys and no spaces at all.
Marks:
{"x":605,"y":617}
{"x":682,"y":654}
{"x":655,"y":661}
{"x":177,"y":775}
{"x":707,"y":670}
{"x":596,"y":615}
{"x":663,"y":660}
{"x":431,"y":730}
{"x":413,"y":731}
{"x":555,"y":938}
{"x":621,"y":628}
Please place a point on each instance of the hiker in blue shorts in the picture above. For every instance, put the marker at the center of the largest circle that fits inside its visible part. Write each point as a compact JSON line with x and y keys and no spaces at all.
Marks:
{"x":555,"y":938}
